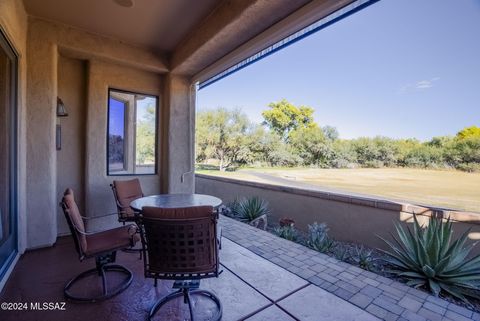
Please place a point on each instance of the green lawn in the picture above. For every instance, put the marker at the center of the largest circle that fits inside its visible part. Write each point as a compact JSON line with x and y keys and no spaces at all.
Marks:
{"x":443,"y":188}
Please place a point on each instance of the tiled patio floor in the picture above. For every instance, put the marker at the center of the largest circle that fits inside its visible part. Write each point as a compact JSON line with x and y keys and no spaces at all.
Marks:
{"x":283,"y":281}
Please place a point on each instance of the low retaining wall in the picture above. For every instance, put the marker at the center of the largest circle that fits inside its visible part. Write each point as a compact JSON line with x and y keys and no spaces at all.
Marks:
{"x":350,"y":218}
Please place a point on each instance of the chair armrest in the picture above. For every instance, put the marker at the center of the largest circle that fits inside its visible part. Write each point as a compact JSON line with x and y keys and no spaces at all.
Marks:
{"x":91,"y":232}
{"x":98,"y":216}
{"x":132,"y":229}
{"x":121,"y":207}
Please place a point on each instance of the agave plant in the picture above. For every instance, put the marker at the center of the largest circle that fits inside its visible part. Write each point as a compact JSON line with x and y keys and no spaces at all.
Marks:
{"x":318,"y":238}
{"x":363,"y":257}
{"x":427,"y":256}
{"x":249,"y":209}
{"x":287,"y":232}
{"x":341,"y":254}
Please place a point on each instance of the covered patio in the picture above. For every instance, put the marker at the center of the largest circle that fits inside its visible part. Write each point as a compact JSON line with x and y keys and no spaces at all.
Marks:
{"x":264,"y":278}
{"x":67,"y":64}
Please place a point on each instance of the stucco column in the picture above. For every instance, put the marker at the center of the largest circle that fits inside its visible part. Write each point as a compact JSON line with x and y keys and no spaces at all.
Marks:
{"x":177,"y":145}
{"x":40,"y":124}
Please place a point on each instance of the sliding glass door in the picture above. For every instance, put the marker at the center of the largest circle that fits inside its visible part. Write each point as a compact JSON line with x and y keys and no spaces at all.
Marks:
{"x":8,"y":154}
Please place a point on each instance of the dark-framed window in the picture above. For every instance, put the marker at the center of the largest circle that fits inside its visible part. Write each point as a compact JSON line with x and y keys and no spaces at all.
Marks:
{"x":132,"y":133}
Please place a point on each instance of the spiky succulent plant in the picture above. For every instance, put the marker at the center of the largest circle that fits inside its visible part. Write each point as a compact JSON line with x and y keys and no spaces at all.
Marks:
{"x":247,"y":210}
{"x":318,"y":238}
{"x":287,"y":232}
{"x":363,"y":257}
{"x":427,"y":256}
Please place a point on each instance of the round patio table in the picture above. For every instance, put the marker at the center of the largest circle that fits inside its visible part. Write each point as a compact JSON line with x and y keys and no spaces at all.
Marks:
{"x":175,"y":201}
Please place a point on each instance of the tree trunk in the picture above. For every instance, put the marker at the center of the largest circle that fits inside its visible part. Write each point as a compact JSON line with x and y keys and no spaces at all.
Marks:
{"x":222,"y":169}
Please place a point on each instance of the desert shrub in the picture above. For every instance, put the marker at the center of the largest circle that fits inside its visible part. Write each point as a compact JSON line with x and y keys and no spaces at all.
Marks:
{"x":365,"y":150}
{"x":363,"y":257}
{"x":375,"y":163}
{"x":469,"y":167}
{"x":341,"y":254}
{"x":288,"y":232}
{"x":318,"y":238}
{"x":344,"y":154}
{"x":426,"y":256}
{"x":283,"y":157}
{"x":464,"y":151}
{"x":387,"y":150}
{"x":423,"y":156}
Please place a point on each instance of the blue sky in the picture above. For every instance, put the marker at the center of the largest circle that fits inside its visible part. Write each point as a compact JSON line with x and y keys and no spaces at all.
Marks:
{"x":117,"y":118}
{"x":117,"y":114}
{"x":399,"y":68}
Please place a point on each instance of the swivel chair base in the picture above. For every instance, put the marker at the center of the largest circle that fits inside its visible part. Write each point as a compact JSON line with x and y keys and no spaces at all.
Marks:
{"x":185,"y":289}
{"x":102,"y":269}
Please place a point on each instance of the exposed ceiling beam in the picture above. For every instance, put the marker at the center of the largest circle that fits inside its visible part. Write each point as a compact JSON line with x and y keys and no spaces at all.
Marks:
{"x":303,"y":17}
{"x":85,"y":45}
{"x":230,"y":25}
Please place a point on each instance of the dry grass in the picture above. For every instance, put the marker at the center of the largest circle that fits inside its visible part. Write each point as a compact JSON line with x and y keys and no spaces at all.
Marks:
{"x":450,"y":189}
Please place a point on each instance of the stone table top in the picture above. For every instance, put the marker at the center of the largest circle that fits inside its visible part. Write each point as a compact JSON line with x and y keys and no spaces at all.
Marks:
{"x":175,"y":201}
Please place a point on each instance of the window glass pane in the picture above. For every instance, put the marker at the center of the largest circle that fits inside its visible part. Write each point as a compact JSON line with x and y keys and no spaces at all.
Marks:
{"x":116,"y":137}
{"x":145,"y":135}
{"x":4,"y":148}
{"x":132,"y":133}
{"x":8,"y":161}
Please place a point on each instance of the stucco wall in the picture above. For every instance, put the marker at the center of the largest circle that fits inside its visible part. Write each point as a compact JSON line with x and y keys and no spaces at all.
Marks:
{"x":71,"y":157}
{"x":349,"y":218}
{"x":13,"y":22}
{"x":109,"y":63}
{"x":41,"y":157}
{"x":179,"y":116}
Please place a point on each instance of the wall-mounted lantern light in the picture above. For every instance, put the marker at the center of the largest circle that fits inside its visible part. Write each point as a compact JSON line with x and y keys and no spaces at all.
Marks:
{"x":61,"y":110}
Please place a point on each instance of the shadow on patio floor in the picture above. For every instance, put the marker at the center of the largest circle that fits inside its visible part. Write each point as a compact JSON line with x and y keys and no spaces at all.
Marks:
{"x":249,"y":287}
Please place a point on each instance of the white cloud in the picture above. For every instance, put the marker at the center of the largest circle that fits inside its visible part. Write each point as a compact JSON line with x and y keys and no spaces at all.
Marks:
{"x":419,"y":85}
{"x":424,"y":84}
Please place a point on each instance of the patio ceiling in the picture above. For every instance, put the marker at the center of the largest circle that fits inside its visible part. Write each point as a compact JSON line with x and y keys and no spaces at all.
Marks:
{"x":156,"y":24}
{"x":191,"y":35}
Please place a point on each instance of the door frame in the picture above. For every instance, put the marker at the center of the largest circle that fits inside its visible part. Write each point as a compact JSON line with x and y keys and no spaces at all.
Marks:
{"x":7,"y":46}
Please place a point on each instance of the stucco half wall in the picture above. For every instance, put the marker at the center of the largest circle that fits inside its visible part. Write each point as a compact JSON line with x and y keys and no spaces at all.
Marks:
{"x":350,"y":218}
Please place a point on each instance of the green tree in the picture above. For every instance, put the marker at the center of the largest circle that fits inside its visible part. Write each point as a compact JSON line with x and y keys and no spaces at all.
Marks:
{"x":468,"y":132}
{"x":464,"y":152}
{"x":145,"y":140}
{"x":223,"y":134}
{"x":283,"y":117}
{"x":330,"y":132}
{"x":312,"y":146}
{"x":270,"y":148}
{"x":440,"y":141}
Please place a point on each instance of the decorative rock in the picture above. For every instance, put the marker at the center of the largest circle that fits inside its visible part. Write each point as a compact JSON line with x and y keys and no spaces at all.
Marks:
{"x":225,"y":210}
{"x":260,"y":222}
